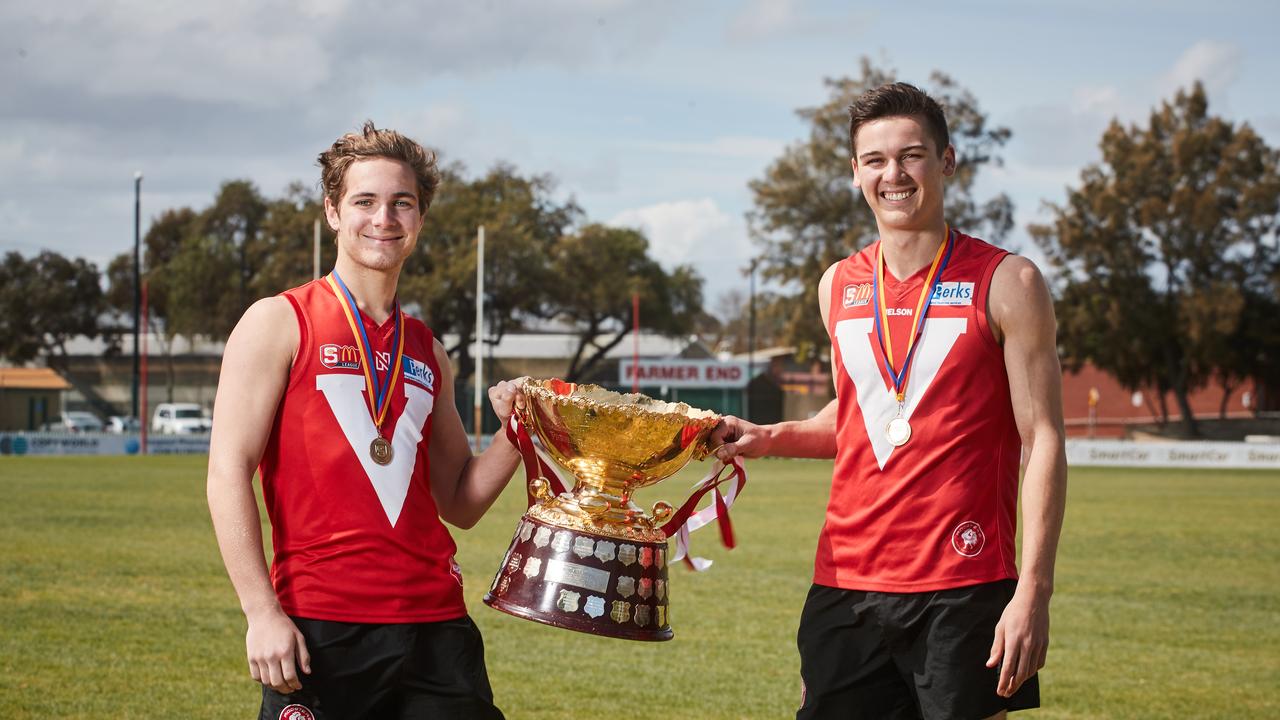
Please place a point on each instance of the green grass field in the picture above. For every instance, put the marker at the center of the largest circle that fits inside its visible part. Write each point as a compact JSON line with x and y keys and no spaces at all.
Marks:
{"x":114,"y":604}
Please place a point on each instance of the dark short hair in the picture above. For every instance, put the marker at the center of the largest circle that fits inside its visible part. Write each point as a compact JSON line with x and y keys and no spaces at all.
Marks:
{"x":372,"y":143}
{"x":898,"y":99}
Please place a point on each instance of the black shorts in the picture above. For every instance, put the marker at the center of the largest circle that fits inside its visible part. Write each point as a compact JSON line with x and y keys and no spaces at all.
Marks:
{"x":416,"y":670}
{"x":904,"y":655}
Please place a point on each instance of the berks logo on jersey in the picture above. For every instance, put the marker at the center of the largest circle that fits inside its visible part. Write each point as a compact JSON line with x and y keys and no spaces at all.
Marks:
{"x":339,"y":356}
{"x":296,"y":712}
{"x":419,"y":372}
{"x":952,"y":293}
{"x":968,"y":539}
{"x":856,"y":295}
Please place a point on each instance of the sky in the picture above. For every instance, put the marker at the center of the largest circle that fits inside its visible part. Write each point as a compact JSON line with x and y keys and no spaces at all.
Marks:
{"x":652,"y":114}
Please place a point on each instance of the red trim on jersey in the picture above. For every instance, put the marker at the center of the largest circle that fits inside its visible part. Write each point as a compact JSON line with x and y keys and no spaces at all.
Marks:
{"x":899,"y":517}
{"x":354,"y":541}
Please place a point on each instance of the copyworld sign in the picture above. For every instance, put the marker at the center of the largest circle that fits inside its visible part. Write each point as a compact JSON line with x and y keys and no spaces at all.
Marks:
{"x":684,"y":373}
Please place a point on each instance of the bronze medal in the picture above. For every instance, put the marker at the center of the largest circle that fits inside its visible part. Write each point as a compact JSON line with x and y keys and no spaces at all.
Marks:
{"x":380,"y":450}
{"x":378,"y":387}
{"x":898,"y":431}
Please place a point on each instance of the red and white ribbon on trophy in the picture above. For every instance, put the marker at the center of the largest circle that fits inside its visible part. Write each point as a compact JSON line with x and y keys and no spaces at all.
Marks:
{"x":685,"y":520}
{"x":535,"y":460}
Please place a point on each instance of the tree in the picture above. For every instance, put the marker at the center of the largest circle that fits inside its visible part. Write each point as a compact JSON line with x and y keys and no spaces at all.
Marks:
{"x":600,"y":268}
{"x":1165,"y":250}
{"x":161,"y":244}
{"x":807,"y":214}
{"x":44,"y":302}
{"x":522,"y":223}
{"x":205,"y":280}
{"x":283,"y":255}
{"x":729,"y":326}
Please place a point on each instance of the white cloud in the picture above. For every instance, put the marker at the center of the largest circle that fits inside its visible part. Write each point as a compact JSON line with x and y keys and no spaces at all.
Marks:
{"x":761,"y":18}
{"x":1216,"y":64}
{"x":772,"y":20}
{"x":695,"y":232}
{"x":677,"y":230}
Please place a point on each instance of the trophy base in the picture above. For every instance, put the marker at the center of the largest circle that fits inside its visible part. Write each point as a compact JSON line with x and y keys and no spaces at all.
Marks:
{"x":583,"y":581}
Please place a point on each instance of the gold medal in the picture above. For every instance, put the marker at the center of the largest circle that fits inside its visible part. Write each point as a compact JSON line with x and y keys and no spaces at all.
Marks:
{"x":380,"y":450}
{"x":898,"y":431}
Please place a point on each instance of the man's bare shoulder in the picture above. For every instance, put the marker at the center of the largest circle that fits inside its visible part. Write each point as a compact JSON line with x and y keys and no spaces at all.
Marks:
{"x":1019,"y":294}
{"x":274,"y":309}
{"x":824,"y":291}
{"x":269,"y":324}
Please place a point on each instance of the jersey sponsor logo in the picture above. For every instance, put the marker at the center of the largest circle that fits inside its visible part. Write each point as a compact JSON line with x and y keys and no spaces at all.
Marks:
{"x":339,"y":356}
{"x":381,"y":360}
{"x":345,"y":394}
{"x":952,"y":293}
{"x":856,"y":337}
{"x":968,"y":538}
{"x":419,"y":372}
{"x":899,"y":311}
{"x":857,"y":295}
{"x":296,"y":712}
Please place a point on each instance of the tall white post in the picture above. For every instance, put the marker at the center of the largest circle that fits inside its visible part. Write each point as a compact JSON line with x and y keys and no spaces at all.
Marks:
{"x":479,"y":375}
{"x":315,"y":254}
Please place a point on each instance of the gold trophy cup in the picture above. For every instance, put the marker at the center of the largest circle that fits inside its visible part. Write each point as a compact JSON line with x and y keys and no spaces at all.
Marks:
{"x":590,"y":559}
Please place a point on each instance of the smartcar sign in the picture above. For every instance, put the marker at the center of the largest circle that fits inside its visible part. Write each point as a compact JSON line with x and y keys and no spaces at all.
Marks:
{"x":684,"y":373}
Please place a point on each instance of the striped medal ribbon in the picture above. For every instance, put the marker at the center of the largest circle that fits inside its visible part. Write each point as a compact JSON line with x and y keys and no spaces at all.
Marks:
{"x":377,"y":387}
{"x":898,"y":430}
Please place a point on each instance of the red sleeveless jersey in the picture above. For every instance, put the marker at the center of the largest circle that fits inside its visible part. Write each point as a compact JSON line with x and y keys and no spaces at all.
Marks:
{"x":940,"y":511}
{"x":355,"y":541}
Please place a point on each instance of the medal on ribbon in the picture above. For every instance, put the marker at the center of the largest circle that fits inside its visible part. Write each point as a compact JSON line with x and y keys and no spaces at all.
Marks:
{"x":377,"y":387}
{"x":898,"y":430}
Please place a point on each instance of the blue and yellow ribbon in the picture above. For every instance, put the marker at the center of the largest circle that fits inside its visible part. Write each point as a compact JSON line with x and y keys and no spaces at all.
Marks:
{"x":931,"y":280}
{"x":378,"y":389}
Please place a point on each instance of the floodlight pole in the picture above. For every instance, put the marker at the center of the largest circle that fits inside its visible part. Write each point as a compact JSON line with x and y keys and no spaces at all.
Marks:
{"x":137,"y":284}
{"x":315,"y":251}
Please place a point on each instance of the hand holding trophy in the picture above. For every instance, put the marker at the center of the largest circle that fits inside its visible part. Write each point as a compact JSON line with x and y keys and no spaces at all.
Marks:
{"x":591,"y":560}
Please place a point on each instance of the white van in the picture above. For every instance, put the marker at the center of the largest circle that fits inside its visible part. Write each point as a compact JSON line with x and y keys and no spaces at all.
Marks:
{"x":180,"y":419}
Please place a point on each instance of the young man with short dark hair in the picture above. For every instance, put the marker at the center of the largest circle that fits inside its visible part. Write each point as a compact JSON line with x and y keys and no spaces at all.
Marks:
{"x":945,"y":364}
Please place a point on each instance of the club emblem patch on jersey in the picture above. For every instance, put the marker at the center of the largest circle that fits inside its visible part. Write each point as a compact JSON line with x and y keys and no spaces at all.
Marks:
{"x":857,"y":295}
{"x":296,"y":712}
{"x":968,"y":539}
{"x":339,"y":356}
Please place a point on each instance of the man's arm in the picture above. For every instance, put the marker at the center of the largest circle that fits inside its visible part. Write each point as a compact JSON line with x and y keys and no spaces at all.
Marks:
{"x":255,"y":371}
{"x":812,"y":438}
{"x":463,"y":485}
{"x":1022,"y":315}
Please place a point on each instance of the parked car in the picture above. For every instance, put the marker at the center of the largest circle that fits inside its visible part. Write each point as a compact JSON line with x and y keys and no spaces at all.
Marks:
{"x":77,"y":421}
{"x":121,"y":424}
{"x":180,"y":419}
